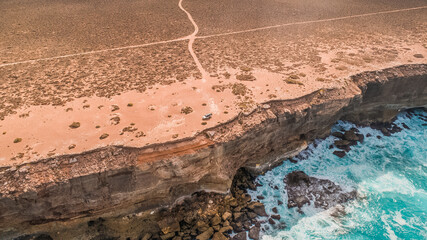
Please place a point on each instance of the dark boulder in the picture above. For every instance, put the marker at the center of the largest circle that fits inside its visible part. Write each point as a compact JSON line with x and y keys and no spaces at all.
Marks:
{"x":303,"y":189}
{"x":338,"y":135}
{"x":350,"y":135}
{"x":295,"y":177}
{"x":257,"y":208}
{"x":342,"y":144}
{"x":254,"y":233}
{"x":340,"y":154}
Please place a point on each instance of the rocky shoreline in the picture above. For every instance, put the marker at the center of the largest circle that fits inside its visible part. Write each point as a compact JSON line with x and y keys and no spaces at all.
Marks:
{"x":67,"y":192}
{"x":236,"y":215}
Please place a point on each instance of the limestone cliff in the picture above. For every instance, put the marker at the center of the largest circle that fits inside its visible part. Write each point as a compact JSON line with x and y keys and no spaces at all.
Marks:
{"x":120,"y":180}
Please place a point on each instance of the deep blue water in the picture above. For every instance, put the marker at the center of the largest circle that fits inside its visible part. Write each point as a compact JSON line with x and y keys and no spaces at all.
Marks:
{"x":389,"y":174}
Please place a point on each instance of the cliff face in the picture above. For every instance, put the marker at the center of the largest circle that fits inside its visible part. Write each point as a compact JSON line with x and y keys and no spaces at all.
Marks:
{"x":118,"y":180}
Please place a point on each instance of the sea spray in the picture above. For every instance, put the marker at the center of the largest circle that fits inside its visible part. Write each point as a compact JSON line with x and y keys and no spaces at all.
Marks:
{"x":389,"y":174}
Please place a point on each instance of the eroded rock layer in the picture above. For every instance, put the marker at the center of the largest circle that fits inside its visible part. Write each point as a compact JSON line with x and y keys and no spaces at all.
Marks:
{"x":119,"y":180}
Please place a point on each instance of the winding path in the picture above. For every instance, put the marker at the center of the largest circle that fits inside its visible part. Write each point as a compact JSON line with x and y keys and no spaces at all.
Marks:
{"x":193,"y":36}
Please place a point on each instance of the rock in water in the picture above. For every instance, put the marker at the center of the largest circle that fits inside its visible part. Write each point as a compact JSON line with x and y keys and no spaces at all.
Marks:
{"x":296,"y":177}
{"x":340,"y":154}
{"x":254,"y":233}
{"x":324,"y":193}
{"x":350,"y":135}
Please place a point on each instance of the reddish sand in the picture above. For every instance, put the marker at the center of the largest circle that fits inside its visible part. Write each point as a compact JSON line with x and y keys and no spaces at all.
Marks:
{"x":152,"y":84}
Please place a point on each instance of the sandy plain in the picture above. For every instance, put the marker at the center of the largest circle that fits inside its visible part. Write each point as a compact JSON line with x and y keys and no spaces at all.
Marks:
{"x":76,"y":76}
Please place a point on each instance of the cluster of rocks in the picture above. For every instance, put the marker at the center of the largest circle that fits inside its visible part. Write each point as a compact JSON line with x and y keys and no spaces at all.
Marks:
{"x":213,"y":216}
{"x":303,"y":189}
{"x":386,"y":128}
{"x":346,"y":140}
{"x":352,"y":136}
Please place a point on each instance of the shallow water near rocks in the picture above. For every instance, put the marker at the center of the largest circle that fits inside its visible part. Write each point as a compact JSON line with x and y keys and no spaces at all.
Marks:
{"x":389,"y":174}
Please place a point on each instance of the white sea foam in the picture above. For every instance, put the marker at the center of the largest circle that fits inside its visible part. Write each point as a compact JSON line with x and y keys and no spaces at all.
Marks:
{"x":389,"y":174}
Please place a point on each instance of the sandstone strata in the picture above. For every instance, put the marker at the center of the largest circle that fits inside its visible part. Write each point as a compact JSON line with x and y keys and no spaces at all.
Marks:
{"x":119,"y":180}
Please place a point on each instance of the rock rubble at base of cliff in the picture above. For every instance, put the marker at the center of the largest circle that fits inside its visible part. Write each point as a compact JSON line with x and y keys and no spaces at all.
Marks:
{"x":213,"y":216}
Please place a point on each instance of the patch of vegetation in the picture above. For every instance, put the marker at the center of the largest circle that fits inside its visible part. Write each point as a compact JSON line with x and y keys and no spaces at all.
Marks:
{"x":246,"y":69}
{"x":245,"y":77}
{"x":104,"y":136}
{"x":246,"y":105}
{"x":226,"y":75}
{"x":186,"y":110}
{"x":128,"y":129}
{"x":219,"y":88}
{"x":115,"y":120}
{"x":24,"y":115}
{"x":114,"y":108}
{"x":17,"y":140}
{"x":130,"y":105}
{"x":140,"y":134}
{"x":367,"y":59}
{"x":322,"y":79}
{"x":74,"y":125}
{"x":341,"y":68}
{"x":239,"y":89}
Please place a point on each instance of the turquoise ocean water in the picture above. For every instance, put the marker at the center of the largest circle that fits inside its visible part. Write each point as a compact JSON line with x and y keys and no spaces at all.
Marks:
{"x":389,"y":174}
